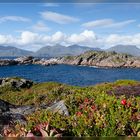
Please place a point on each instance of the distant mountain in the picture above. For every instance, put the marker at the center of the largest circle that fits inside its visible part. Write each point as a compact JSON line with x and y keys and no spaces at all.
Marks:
{"x":13,"y":51}
{"x":59,"y":50}
{"x":128,"y":49}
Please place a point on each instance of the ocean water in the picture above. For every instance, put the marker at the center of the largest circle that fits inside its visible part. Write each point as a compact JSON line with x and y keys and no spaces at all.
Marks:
{"x":72,"y":75}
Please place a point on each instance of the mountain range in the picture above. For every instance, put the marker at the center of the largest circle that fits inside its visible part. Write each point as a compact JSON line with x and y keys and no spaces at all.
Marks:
{"x":48,"y":51}
{"x":13,"y":51}
{"x":128,"y":49}
{"x":59,"y":50}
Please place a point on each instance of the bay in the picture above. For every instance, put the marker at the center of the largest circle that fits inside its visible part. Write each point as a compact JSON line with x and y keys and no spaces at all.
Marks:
{"x":72,"y":75}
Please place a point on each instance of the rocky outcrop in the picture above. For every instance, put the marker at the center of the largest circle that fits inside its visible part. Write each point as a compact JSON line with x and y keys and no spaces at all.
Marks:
{"x":90,"y":58}
{"x":7,"y":62}
{"x":102,"y":59}
{"x":24,"y":60}
{"x":32,"y":60}
{"x":9,"y":117}
{"x":11,"y":114}
{"x":45,"y":62}
{"x":16,"y":82}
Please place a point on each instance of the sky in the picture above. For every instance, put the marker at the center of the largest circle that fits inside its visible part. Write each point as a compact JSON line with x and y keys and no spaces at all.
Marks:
{"x":31,"y":26}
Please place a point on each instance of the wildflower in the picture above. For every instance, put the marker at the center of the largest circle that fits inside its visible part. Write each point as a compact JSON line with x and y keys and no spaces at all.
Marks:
{"x":123,"y":102}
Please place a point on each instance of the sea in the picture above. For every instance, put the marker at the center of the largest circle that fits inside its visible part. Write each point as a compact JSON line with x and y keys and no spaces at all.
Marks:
{"x":68,"y":74}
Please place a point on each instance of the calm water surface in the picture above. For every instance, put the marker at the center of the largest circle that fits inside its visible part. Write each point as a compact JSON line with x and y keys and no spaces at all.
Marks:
{"x":73,"y":75}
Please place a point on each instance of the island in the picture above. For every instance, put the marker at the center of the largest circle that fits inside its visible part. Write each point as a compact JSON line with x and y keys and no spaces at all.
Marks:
{"x":89,"y":58}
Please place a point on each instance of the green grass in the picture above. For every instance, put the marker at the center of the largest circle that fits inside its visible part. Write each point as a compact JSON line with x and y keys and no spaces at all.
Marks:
{"x":93,"y":111}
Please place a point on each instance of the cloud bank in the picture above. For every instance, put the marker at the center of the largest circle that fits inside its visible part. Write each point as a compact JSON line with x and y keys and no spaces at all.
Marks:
{"x":33,"y":41}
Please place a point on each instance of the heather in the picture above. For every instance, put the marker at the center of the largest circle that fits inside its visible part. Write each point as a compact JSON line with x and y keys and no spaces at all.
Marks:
{"x":107,"y":109}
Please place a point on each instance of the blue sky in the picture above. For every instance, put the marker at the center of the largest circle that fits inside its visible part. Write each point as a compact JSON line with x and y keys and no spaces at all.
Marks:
{"x":31,"y":26}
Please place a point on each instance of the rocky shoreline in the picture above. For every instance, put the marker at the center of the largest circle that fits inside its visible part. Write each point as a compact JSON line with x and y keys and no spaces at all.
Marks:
{"x":90,"y":58}
{"x":26,"y":60}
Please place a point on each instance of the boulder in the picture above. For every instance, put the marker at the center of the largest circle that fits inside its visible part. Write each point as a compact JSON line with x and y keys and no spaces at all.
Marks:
{"x":5,"y":106}
{"x":16,"y":82}
{"x":11,"y":114}
{"x":9,"y":119}
{"x":59,"y":107}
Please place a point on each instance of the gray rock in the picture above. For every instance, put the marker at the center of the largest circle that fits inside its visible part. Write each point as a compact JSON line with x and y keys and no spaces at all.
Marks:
{"x":24,"y":110}
{"x":59,"y":107}
{"x":16,"y":82}
{"x":11,"y":119}
{"x":25,"y":60}
{"x":46,"y":62}
{"x":5,"y":106}
{"x":8,"y":117}
{"x":11,"y":114}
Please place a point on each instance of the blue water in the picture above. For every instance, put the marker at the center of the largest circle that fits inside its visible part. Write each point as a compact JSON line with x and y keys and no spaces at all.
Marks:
{"x":73,"y":75}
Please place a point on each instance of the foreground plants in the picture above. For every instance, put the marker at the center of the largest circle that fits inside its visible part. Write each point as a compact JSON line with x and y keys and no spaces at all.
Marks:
{"x":40,"y":130}
{"x":110,"y":109}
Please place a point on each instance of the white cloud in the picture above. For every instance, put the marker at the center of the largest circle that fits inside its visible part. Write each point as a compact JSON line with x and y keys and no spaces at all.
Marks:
{"x":107,"y":23}
{"x":97,"y":23}
{"x":33,"y":41}
{"x":115,"y":39}
{"x":28,"y":38}
{"x":85,"y":38}
{"x":58,"y":37}
{"x":58,"y":18}
{"x":40,"y":27}
{"x":13,"y":18}
{"x":4,"y":39}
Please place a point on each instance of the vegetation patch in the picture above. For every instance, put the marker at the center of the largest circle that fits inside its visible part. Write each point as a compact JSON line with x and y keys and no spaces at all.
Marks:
{"x":108,"y":109}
